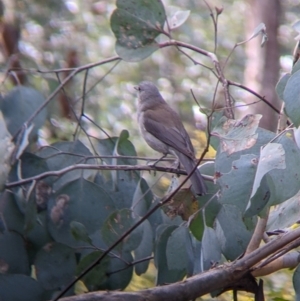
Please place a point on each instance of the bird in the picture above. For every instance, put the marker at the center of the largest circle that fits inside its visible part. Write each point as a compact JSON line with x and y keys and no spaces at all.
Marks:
{"x":163,"y":131}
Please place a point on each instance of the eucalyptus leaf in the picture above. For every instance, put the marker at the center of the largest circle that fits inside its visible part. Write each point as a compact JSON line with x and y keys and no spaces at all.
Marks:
{"x":55,"y":265}
{"x":176,"y":250}
{"x":296,"y":282}
{"x":237,"y":135}
{"x":81,"y":201}
{"x":19,"y":287}
{"x":136,"y":25}
{"x":210,"y":249}
{"x":291,"y":98}
{"x":281,"y":85}
{"x":19,"y":105}
{"x":272,"y":156}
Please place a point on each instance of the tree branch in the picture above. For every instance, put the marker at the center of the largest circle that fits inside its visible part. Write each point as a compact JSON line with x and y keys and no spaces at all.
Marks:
{"x":58,"y":173}
{"x":200,"y":284}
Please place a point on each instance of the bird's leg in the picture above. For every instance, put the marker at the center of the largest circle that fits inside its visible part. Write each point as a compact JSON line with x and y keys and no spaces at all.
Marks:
{"x":156,"y":161}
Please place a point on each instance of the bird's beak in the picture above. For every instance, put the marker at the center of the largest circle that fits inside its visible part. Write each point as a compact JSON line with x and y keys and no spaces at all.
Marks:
{"x":136,"y":88}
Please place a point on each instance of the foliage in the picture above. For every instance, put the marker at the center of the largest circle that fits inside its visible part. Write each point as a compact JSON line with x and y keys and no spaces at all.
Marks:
{"x":83,"y":208}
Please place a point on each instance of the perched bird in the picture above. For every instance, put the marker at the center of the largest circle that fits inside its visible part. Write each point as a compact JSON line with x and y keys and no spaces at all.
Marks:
{"x":163,"y":130}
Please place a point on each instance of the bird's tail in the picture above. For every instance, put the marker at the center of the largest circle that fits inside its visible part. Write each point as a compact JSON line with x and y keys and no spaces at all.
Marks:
{"x":197,"y":180}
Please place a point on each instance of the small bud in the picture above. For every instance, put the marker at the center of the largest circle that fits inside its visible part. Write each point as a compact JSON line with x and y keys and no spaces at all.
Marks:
{"x":219,"y":10}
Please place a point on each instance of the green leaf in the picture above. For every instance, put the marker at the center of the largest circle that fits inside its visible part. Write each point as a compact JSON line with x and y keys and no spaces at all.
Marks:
{"x":64,"y":154}
{"x":79,"y":232}
{"x":135,"y":55}
{"x":19,"y":288}
{"x":296,"y":67}
{"x":259,"y":200}
{"x":281,"y":85}
{"x":39,"y":235}
{"x":164,"y":274}
{"x":196,"y":258}
{"x":291,"y":98}
{"x":261,"y":28}
{"x":197,"y":226}
{"x":124,"y":183}
{"x":55,"y":265}
{"x":80,"y":201}
{"x":105,"y":147}
{"x":142,"y":198}
{"x":211,"y":250}
{"x":117,"y":224}
{"x":32,"y":196}
{"x":29,"y":165}
{"x":285,"y":215}
{"x":124,"y":147}
{"x":118,"y":273}
{"x":285,"y":183}
{"x":14,"y":258}
{"x":237,"y":135}
{"x":223,"y":163}
{"x":272,"y":156}
{"x":176,"y":250}
{"x":232,"y":231}
{"x":176,"y":17}
{"x":236,"y":186}
{"x":297,"y":136}
{"x":11,"y":218}
{"x":6,"y":149}
{"x":296,"y":282}
{"x":136,"y":24}
{"x":144,"y":249}
{"x":98,"y":274}
{"x":18,"y":106}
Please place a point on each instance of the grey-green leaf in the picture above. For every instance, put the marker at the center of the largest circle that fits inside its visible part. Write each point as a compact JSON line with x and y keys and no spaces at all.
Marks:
{"x":18,"y":106}
{"x":79,"y":232}
{"x":136,"y":24}
{"x":291,"y":98}
{"x":55,"y":265}
{"x":272,"y":156}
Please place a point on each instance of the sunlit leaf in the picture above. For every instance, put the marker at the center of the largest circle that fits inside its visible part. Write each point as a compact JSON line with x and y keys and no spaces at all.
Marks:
{"x":272,"y":156}
{"x":237,"y":135}
{"x":176,"y":17}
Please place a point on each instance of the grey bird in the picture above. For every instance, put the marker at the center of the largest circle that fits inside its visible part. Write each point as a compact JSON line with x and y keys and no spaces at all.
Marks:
{"x":163,"y":130}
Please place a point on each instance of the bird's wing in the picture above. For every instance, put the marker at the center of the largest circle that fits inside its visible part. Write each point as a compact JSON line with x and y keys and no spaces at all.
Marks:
{"x":170,"y":133}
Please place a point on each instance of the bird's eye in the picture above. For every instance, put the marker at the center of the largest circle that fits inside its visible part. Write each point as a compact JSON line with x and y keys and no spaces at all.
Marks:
{"x":137,"y":88}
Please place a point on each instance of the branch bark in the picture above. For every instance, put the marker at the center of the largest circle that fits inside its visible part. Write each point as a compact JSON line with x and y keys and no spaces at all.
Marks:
{"x":198,"y":285}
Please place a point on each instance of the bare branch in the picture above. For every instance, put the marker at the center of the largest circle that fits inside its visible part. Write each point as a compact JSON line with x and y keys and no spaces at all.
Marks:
{"x":198,"y":285}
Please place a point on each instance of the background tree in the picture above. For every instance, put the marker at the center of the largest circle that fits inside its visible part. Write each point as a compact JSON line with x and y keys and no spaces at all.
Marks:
{"x":81,"y":212}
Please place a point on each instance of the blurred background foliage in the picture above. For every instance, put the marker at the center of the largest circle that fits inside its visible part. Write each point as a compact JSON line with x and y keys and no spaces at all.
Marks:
{"x":60,"y":34}
{"x":43,"y":36}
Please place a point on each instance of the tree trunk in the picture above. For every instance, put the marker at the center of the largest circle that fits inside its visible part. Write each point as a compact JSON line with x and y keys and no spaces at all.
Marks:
{"x":262,"y":66}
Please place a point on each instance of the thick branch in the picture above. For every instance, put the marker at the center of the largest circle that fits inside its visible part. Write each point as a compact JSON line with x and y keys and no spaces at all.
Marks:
{"x":200,"y":284}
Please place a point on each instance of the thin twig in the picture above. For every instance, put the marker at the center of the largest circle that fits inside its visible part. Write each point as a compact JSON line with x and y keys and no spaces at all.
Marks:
{"x":58,"y":173}
{"x":64,"y":82}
